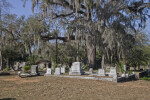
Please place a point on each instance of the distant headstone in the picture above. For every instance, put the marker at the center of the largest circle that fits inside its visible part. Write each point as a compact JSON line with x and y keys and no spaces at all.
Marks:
{"x":21,"y":65}
{"x":125,"y":75}
{"x":62,"y":70}
{"x":125,"y":68}
{"x":76,"y":69}
{"x":113,"y":71}
{"x":101,"y":72}
{"x":57,"y":71}
{"x":48,"y":72}
{"x":91,"y":71}
{"x":34,"y":70}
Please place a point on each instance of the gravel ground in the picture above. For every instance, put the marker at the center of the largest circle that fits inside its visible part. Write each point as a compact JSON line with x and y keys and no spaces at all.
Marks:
{"x":59,"y":88}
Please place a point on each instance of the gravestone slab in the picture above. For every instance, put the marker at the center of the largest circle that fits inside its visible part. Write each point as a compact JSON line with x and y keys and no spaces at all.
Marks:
{"x":34,"y":70}
{"x":76,"y":69}
{"x":91,"y":71}
{"x":57,"y":71}
{"x":62,"y":70}
{"x":125,"y":68}
{"x":48,"y":72}
{"x":101,"y":72}
{"x":113,"y":71}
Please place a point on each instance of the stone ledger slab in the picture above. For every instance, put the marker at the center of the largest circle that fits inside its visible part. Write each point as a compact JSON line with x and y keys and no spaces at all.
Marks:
{"x":76,"y":69}
{"x":101,"y":72}
{"x":57,"y":71}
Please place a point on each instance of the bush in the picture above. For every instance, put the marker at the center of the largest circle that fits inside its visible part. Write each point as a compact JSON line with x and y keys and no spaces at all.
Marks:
{"x":40,"y":69}
{"x":27,"y":68}
{"x":67,"y":69}
{"x":146,"y":78}
{"x":120,"y":67}
{"x":7,"y":69}
{"x":85,"y":67}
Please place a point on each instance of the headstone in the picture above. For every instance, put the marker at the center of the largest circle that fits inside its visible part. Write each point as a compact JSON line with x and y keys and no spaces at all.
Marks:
{"x":125,"y":68}
{"x":76,"y":69}
{"x":101,"y":72}
{"x":34,"y":70}
{"x":21,"y":65}
{"x":113,"y":71}
{"x":91,"y":71}
{"x":57,"y":71}
{"x":62,"y":70}
{"x":125,"y":75}
{"x":48,"y":72}
{"x":16,"y":66}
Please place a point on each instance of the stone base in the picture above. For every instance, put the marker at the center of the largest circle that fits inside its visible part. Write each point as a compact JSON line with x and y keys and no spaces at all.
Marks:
{"x":35,"y":74}
{"x":75,"y":73}
{"x":47,"y":74}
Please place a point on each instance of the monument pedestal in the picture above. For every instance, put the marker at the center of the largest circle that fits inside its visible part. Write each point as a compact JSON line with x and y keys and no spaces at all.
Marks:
{"x":76,"y":69}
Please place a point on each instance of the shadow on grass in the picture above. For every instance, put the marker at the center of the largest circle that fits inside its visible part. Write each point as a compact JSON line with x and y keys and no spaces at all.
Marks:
{"x":8,"y":99}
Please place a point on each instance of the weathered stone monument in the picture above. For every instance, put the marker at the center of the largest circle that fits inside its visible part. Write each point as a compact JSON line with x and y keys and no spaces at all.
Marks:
{"x":76,"y":69}
{"x":101,"y":72}
{"x":48,"y":72}
{"x":125,"y":68}
{"x":113,"y":71}
{"x":91,"y":71}
{"x":57,"y":71}
{"x":62,"y":70}
{"x":34,"y":70}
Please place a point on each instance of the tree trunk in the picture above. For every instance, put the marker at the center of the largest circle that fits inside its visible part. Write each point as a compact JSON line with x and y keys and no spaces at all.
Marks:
{"x":91,"y":56}
{"x":1,"y":62}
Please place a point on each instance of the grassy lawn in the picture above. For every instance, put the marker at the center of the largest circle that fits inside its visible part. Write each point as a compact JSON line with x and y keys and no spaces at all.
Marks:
{"x":56,"y":88}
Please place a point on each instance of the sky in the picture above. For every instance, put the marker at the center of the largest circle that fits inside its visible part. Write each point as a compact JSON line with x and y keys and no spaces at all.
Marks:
{"x":18,"y":9}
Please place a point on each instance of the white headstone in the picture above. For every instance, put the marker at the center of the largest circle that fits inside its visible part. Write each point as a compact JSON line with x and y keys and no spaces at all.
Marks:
{"x":113,"y":71}
{"x":34,"y":70}
{"x":48,"y":72}
{"x":62,"y":70}
{"x":91,"y":71}
{"x":76,"y":69}
{"x":125,"y":68}
{"x":101,"y":72}
{"x":57,"y":71}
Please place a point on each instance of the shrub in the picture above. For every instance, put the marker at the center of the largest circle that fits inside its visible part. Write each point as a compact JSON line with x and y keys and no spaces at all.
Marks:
{"x":146,"y":78}
{"x":67,"y":69}
{"x":27,"y":68}
{"x":40,"y":69}
{"x":84,"y":67}
{"x":120,"y":67}
{"x":7,"y":69}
